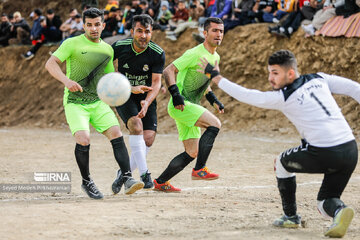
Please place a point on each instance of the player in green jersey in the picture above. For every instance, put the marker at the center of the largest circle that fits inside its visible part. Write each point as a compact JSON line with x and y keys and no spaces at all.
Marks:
{"x":88,"y":58}
{"x":187,"y":86}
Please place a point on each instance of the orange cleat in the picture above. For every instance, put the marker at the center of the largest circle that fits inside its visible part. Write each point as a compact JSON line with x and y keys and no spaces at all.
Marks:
{"x":165,"y":187}
{"x":203,"y":174}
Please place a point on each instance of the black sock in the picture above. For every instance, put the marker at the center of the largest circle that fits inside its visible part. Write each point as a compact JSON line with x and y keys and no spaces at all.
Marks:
{"x":82,"y":159}
{"x":287,"y":189}
{"x":175,"y":166}
{"x":331,"y":205}
{"x":121,"y":155}
{"x":205,"y":145}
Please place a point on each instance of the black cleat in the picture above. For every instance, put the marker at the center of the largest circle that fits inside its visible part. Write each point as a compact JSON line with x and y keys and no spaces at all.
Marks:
{"x":288,"y":222}
{"x":117,"y":184}
{"x":91,"y":190}
{"x":146,"y":178}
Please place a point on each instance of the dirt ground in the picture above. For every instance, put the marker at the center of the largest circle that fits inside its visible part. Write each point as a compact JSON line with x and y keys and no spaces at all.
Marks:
{"x":241,"y":204}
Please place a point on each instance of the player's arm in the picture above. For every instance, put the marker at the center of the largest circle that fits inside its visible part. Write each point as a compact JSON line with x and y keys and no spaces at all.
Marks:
{"x":344,"y":86}
{"x":155,"y":87}
{"x":170,"y":80}
{"x":53,"y":67}
{"x":269,"y":100}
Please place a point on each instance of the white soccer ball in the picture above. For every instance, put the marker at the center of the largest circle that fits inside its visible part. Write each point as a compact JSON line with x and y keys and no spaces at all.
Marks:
{"x":114,"y":89}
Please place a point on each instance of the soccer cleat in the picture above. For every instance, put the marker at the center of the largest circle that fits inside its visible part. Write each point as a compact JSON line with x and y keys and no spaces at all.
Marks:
{"x":341,"y":223}
{"x":131,"y":185}
{"x":27,"y":56}
{"x":288,"y":222}
{"x":146,"y":178}
{"x":117,"y":184}
{"x":91,"y":190}
{"x":203,"y":174}
{"x":165,"y":187}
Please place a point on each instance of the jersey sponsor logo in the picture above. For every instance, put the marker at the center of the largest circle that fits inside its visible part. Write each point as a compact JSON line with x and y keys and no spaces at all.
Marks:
{"x":146,"y":68}
{"x":136,"y":80}
{"x":125,"y":65}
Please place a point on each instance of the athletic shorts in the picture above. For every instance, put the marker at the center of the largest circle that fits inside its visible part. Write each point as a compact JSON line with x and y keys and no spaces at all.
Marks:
{"x":98,"y":114}
{"x":185,"y":120}
{"x":132,"y":107}
{"x":337,"y":163}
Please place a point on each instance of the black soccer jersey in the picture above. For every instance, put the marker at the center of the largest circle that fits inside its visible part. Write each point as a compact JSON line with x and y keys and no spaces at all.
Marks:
{"x":138,"y":67}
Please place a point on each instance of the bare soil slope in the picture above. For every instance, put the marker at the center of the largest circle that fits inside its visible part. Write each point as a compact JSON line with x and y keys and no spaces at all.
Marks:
{"x":31,"y":97}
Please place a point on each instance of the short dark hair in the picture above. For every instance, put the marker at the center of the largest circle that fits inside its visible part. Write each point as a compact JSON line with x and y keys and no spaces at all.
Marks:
{"x":212,"y":20}
{"x":38,"y":11}
{"x":284,"y":58}
{"x":144,"y":19}
{"x":93,"y":13}
{"x":50,"y":11}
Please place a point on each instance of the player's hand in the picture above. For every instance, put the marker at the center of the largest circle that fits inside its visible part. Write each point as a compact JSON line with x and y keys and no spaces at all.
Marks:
{"x":144,"y":107}
{"x":140,"y":89}
{"x":206,"y":68}
{"x":73,"y":86}
{"x":177,"y":98}
{"x":219,"y":108}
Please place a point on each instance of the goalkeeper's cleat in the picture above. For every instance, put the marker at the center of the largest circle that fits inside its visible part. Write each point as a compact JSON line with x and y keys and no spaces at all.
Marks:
{"x":203,"y":174}
{"x":288,"y":222}
{"x":165,"y":187}
{"x":341,"y":223}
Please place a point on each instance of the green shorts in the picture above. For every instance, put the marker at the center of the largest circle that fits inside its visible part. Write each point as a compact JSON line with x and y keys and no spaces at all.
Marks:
{"x":185,"y":120}
{"x":98,"y":114}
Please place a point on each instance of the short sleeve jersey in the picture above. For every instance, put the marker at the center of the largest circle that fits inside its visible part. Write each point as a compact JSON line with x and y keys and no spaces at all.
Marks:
{"x":191,"y":83}
{"x":86,"y":63}
{"x":138,"y":67}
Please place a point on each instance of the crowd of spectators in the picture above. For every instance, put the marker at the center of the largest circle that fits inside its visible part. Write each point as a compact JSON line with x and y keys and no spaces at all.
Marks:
{"x":173,"y":17}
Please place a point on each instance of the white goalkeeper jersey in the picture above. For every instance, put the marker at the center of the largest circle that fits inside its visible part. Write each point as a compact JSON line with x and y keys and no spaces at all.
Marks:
{"x":308,"y":104}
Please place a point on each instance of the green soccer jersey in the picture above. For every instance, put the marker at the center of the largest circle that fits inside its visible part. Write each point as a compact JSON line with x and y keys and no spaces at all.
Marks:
{"x":86,"y":63}
{"x":192,"y":84}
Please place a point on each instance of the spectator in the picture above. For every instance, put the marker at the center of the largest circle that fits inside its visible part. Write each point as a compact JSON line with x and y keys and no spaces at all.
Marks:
{"x":241,"y":14}
{"x":283,"y":8}
{"x":110,"y":4}
{"x":53,"y":23}
{"x":90,"y":3}
{"x":196,"y":11}
{"x":322,"y":16}
{"x":21,"y":30}
{"x":293,"y":21}
{"x":5,"y":30}
{"x":111,"y":24}
{"x":222,"y":9}
{"x":209,"y":4}
{"x":154,"y":8}
{"x":165,"y":15}
{"x":134,"y":10}
{"x":144,"y":6}
{"x":66,"y":26}
{"x":77,"y":27}
{"x":181,"y":14}
{"x":262,"y":7}
{"x":36,"y":35}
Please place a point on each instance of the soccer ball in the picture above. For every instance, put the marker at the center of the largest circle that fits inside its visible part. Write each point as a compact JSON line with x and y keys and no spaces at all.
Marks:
{"x":114,"y":89}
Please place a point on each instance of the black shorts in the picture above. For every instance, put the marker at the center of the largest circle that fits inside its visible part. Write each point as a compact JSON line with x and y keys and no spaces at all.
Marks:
{"x":337,"y":163}
{"x":132,"y":107}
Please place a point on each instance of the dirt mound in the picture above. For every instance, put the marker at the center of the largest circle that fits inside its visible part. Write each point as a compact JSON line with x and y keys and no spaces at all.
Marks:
{"x":31,"y":97}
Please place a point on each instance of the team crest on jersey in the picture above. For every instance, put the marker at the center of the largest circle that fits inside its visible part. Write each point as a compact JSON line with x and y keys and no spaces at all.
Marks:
{"x":146,"y":68}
